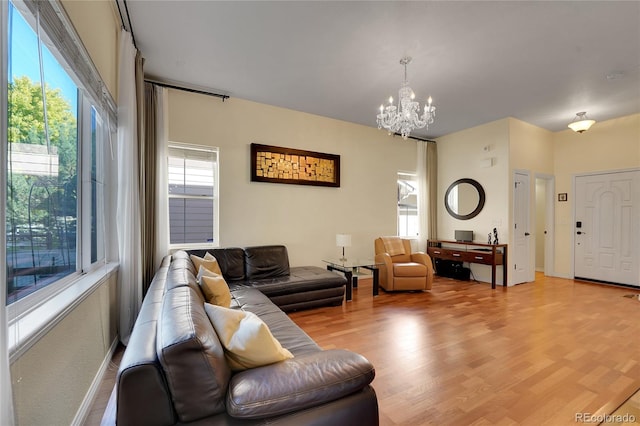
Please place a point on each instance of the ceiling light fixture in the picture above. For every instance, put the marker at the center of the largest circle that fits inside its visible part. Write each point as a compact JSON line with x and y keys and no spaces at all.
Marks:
{"x":403,"y":118}
{"x":581,"y":123}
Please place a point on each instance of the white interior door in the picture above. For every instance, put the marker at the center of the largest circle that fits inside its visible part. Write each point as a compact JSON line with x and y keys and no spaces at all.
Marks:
{"x":521,"y":233}
{"x":607,"y":227}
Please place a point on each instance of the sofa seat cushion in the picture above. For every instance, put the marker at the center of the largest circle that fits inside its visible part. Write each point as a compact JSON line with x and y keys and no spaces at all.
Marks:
{"x":300,"y":280}
{"x":409,"y":269}
{"x":297,"y":383}
{"x":290,"y":336}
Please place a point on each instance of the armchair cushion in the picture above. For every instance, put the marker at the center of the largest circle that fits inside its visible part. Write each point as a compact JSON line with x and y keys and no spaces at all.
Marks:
{"x":410,"y":269}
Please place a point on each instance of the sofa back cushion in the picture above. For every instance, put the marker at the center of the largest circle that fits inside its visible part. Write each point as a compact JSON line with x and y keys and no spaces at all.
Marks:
{"x":191,"y":356}
{"x":266,"y":262}
{"x":231,"y":261}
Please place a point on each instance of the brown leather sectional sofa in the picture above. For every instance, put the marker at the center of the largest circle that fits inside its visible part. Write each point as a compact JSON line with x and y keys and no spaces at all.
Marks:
{"x":174,"y":370}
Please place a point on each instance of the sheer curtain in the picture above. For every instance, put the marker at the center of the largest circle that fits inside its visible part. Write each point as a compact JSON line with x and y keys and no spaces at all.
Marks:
{"x":427,"y":193}
{"x":128,"y":200}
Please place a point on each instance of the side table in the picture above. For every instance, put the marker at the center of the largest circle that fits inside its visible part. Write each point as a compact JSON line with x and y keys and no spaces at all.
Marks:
{"x":349,"y":267}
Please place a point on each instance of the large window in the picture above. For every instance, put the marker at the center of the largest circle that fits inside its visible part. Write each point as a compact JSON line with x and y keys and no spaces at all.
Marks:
{"x":193,"y":195}
{"x":55,"y":182}
{"x":407,"y":204}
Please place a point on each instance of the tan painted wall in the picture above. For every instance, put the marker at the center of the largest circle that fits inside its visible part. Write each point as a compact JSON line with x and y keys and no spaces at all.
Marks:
{"x":461,"y":155}
{"x":304,"y":218}
{"x":98,"y":24}
{"x":51,"y":379}
{"x":608,"y":145}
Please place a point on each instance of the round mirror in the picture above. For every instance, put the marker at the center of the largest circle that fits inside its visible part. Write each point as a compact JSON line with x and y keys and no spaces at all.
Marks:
{"x":464,"y":199}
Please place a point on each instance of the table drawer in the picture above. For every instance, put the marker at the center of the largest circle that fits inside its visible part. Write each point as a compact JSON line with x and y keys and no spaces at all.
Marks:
{"x":462,"y":255}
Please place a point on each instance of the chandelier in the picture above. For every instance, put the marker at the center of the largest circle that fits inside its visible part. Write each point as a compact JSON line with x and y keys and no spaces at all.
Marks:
{"x":403,"y":118}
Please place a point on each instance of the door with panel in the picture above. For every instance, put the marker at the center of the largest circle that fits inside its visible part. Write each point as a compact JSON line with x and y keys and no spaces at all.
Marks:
{"x":607,"y":227}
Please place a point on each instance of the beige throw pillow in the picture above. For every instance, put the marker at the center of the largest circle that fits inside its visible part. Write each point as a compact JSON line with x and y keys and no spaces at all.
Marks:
{"x":247,"y":340}
{"x":208,"y":261}
{"x":215,"y":289}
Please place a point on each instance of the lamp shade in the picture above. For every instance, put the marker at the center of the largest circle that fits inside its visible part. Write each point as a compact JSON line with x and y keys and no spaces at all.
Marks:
{"x":343,"y":240}
{"x":581,"y":123}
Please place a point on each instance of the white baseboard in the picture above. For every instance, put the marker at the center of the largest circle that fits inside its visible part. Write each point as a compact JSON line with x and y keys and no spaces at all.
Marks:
{"x":83,"y":412}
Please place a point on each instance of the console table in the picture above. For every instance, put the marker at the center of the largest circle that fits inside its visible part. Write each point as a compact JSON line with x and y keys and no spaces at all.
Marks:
{"x":486,"y":254}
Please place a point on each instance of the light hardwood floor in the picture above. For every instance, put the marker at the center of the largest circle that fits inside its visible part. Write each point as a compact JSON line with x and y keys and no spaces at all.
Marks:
{"x":463,"y":354}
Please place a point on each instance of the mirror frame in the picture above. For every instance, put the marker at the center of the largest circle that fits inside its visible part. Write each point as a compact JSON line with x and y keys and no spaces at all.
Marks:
{"x":481,"y":199}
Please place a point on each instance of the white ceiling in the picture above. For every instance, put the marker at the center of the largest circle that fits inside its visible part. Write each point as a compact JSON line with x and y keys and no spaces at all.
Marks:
{"x":540,"y":62}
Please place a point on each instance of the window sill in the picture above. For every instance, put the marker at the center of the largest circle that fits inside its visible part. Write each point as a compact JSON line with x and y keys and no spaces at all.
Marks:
{"x":27,"y":329}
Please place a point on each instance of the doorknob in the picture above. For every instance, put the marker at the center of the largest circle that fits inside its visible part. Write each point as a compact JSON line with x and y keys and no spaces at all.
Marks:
{"x":580,"y":232}
{"x":526,"y":234}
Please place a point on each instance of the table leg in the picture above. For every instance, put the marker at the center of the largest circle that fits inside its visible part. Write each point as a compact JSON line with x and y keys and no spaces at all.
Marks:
{"x":504,"y":267}
{"x":349,"y":275}
{"x":376,"y":282}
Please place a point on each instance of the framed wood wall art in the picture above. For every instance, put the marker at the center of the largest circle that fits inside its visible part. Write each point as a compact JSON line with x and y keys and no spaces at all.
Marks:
{"x":294,"y":166}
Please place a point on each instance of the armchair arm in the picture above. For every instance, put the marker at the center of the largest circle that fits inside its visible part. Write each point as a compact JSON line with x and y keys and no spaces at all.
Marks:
{"x":421,"y":257}
{"x":386,"y":270}
{"x":297,"y":383}
{"x":425,"y":259}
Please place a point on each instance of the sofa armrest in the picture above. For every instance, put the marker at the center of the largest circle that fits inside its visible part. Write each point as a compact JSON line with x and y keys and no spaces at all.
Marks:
{"x":298,"y":383}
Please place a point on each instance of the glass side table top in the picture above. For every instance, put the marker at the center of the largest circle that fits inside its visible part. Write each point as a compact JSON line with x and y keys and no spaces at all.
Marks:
{"x":351,"y":263}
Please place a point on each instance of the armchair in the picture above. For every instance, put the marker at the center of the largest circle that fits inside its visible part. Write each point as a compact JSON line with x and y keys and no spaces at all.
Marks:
{"x":400,"y":269}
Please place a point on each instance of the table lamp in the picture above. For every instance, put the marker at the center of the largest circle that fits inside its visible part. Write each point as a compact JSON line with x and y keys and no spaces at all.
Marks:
{"x":343,"y":240}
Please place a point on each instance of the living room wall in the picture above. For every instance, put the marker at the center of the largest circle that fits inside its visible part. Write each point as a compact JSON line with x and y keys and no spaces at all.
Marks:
{"x":480,"y":153}
{"x":304,"y":218}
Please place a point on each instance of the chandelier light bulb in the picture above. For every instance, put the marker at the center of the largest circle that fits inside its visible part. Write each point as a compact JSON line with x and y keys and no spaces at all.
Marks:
{"x":406,"y":116}
{"x":381,"y":108}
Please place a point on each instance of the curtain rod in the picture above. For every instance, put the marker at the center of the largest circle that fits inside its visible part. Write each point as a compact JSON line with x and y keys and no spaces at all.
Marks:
{"x":187,"y":89}
{"x":416,"y":138}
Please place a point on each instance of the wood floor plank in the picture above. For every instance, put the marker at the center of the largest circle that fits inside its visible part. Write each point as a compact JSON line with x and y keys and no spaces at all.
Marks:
{"x":537,"y":353}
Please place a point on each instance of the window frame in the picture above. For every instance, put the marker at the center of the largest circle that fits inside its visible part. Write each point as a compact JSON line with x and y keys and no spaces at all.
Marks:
{"x":215,"y":197}
{"x":399,"y":176}
{"x":66,"y":288}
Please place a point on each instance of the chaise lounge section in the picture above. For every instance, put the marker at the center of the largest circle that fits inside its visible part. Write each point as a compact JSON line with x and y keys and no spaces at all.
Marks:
{"x":267,"y":269}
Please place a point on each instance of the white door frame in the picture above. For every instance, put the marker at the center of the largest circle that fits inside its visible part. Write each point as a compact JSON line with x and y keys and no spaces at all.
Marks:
{"x":573,"y":209}
{"x":550,"y":222}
